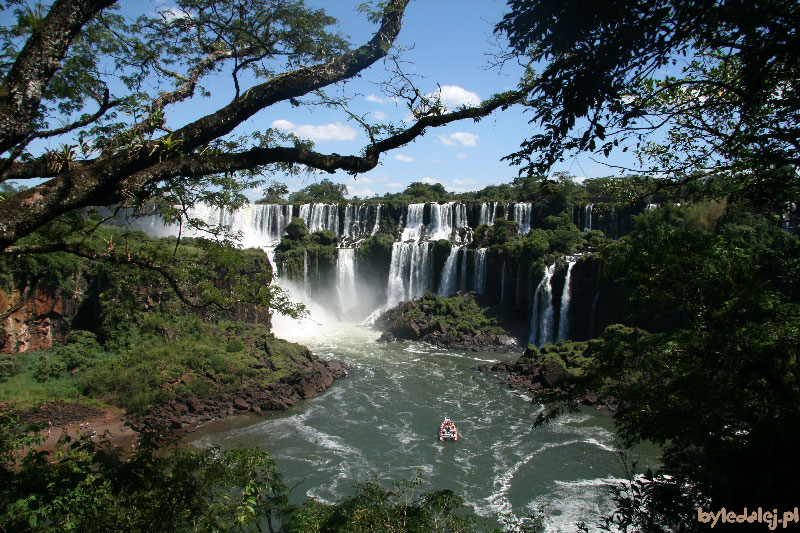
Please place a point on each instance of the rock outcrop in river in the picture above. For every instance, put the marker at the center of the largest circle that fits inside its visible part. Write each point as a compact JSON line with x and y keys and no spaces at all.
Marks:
{"x":457,"y":323}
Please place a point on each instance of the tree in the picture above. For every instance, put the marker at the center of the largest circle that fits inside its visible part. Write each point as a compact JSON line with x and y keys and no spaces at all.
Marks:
{"x":697,"y":86}
{"x":275,"y":194}
{"x":714,"y":380}
{"x":325,"y":191}
{"x":84,"y":73}
{"x":104,"y":84}
{"x":426,"y":192}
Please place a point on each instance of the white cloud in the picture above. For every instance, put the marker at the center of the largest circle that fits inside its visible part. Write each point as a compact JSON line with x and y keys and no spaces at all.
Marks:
{"x":465,"y":181}
{"x":380,"y":115}
{"x":467,"y":139}
{"x":336,"y":131}
{"x":404,"y":158}
{"x":173,"y":13}
{"x":428,"y":179}
{"x":364,"y":179}
{"x":461,"y":155}
{"x":394,"y":185}
{"x":362,"y":192}
{"x":374,"y":98}
{"x":460,"y":137}
{"x":452,"y":97}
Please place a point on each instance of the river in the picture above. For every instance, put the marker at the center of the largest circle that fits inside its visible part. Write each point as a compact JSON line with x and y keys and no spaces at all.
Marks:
{"x":381,"y":421}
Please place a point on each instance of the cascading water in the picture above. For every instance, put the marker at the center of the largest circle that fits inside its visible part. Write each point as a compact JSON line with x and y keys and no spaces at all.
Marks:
{"x":414,"y":227}
{"x":566,"y":293}
{"x":346,"y":279}
{"x":411,"y":265}
{"x":487,"y":213}
{"x":447,"y":284}
{"x":377,"y":220}
{"x":409,"y":271}
{"x":441,"y":226}
{"x":522,"y":216}
{"x":480,"y":271}
{"x":587,"y":218}
{"x":542,"y":313}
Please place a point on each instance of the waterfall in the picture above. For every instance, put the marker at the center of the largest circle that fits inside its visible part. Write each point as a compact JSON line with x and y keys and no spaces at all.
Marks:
{"x":522,"y":216}
{"x":460,"y":219}
{"x":566,"y":293}
{"x":409,"y":271}
{"x":447,"y":284}
{"x":320,"y":216}
{"x":348,"y":219}
{"x":587,"y":218}
{"x":377,"y":221}
{"x":487,"y":214}
{"x":271,"y":219}
{"x":413,"y":228}
{"x":441,"y":226}
{"x":346,"y":278}
{"x":480,"y":270}
{"x":541,"y":322}
{"x":355,"y":220}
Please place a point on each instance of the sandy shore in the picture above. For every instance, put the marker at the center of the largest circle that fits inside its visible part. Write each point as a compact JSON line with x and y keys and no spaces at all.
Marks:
{"x":109,"y":425}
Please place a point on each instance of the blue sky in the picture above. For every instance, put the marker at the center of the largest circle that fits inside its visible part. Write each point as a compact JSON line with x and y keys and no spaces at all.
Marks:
{"x":448,"y":46}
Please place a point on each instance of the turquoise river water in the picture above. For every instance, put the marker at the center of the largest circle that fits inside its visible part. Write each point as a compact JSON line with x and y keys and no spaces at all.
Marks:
{"x":381,"y":421}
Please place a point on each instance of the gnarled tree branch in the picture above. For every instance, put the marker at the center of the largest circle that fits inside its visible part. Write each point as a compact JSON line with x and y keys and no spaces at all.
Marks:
{"x":40,"y":58}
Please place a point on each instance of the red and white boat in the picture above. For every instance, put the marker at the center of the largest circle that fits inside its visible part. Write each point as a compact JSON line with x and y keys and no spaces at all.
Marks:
{"x":448,"y":430}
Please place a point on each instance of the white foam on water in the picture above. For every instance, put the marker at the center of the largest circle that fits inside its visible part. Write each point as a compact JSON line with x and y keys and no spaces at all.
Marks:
{"x":497,"y":502}
{"x":570,"y":502}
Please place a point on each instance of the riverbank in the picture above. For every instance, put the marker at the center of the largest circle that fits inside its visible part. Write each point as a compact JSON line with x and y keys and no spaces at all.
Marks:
{"x":74,"y":419}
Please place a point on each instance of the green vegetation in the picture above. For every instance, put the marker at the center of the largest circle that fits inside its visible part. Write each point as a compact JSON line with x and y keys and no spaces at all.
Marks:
{"x":93,"y":486}
{"x":325,"y":191}
{"x":456,"y":316}
{"x":164,"y":357}
{"x":160,"y":487}
{"x":706,"y":364}
{"x":315,"y":252}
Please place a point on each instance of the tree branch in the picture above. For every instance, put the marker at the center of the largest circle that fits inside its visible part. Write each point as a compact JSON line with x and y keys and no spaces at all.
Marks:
{"x":23,"y":87}
{"x":295,"y":83}
{"x":203,"y":165}
{"x":23,"y":299}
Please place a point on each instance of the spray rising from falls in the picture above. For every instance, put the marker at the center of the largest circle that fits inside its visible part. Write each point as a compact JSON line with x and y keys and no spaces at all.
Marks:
{"x":411,"y":259}
{"x":346,"y":279}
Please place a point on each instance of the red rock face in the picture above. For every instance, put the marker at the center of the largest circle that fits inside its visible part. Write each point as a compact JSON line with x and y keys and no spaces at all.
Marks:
{"x":32,"y":326}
